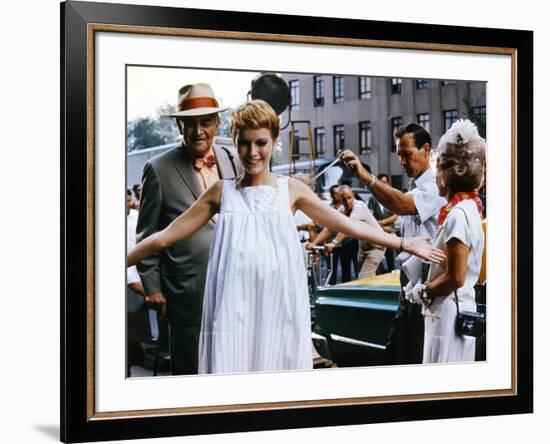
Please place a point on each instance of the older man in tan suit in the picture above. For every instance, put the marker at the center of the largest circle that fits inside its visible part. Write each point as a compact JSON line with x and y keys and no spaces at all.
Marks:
{"x":174,"y":279}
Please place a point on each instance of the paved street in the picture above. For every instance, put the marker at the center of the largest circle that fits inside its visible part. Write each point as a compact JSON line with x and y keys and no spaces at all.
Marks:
{"x":137,"y":371}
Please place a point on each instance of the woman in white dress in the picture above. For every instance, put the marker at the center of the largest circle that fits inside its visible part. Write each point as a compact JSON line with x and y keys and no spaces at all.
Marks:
{"x":256,"y":306}
{"x":460,"y":171}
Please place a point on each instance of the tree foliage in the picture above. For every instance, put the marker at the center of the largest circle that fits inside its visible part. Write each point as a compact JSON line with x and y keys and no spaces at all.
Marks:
{"x":147,"y":132}
{"x":224,"y":130}
{"x":480,"y":120}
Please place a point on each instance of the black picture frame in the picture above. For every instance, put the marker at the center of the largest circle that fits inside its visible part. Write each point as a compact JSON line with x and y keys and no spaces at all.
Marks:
{"x":78,"y":422}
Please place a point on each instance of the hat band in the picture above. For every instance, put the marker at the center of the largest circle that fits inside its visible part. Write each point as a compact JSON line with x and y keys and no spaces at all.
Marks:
{"x":199,"y":102}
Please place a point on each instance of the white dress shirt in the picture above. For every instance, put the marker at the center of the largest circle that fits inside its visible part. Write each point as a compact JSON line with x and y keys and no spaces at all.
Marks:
{"x":428,"y":203}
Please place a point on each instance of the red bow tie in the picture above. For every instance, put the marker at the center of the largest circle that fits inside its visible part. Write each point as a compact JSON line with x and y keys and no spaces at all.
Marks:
{"x":206,"y":161}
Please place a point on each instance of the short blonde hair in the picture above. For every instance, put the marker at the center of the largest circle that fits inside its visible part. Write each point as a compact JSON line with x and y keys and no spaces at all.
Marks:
{"x":255,"y":114}
{"x":461,"y":155}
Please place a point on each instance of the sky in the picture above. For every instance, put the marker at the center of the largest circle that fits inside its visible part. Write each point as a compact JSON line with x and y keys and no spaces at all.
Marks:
{"x":152,"y":87}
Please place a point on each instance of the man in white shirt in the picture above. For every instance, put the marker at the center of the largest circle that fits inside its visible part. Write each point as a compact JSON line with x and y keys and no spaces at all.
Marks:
{"x":369,"y":255}
{"x":420,"y":208}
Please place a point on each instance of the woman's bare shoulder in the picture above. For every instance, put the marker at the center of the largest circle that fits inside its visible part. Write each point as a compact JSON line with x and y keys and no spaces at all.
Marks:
{"x":298,"y":186}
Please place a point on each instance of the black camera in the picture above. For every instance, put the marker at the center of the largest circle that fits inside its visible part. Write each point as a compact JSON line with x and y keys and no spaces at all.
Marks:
{"x":470,"y":323}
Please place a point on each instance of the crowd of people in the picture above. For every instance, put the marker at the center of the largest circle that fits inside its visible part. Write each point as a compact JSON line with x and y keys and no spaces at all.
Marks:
{"x":218,"y":252}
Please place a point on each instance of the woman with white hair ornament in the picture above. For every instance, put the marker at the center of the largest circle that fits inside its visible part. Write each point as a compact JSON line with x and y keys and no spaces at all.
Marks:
{"x":449,"y":288}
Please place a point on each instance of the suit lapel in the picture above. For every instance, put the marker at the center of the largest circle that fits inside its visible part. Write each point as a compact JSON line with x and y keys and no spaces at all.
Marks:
{"x":187,"y":173}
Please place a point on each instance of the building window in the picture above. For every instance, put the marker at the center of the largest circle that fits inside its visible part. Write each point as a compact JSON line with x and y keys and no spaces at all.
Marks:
{"x":479,"y":112}
{"x":365,"y":137}
{"x":395,"y":123}
{"x":318,"y":91}
{"x":448,"y":82}
{"x":339,"y":138}
{"x":450,"y":117}
{"x":364,"y":87}
{"x":479,"y":117}
{"x":319,"y":134}
{"x":424,"y":120}
{"x":294,"y":95}
{"x":338,"y":87}
{"x":396,"y":86}
{"x":421,"y":84}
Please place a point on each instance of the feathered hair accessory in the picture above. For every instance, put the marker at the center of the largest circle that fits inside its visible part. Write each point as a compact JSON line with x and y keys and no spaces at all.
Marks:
{"x":461,"y":132}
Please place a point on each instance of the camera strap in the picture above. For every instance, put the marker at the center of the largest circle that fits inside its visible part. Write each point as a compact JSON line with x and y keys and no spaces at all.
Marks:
{"x":468,"y":225}
{"x":456,"y":302}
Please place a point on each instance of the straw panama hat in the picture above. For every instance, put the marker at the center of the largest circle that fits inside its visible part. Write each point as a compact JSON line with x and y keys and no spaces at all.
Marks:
{"x":196,"y":100}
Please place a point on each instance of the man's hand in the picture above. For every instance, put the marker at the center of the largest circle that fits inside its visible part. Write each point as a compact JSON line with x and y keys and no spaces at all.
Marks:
{"x":329,"y":247}
{"x":157,"y":301}
{"x":350,"y":160}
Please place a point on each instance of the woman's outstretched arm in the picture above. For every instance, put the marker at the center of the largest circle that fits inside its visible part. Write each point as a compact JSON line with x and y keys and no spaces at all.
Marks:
{"x":184,"y":226}
{"x":303,"y":198}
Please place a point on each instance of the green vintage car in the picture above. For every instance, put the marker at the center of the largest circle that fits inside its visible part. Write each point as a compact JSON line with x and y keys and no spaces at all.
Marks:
{"x":352,"y":320}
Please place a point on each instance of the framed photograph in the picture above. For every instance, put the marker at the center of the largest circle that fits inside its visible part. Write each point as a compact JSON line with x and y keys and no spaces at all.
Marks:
{"x":351,"y":84}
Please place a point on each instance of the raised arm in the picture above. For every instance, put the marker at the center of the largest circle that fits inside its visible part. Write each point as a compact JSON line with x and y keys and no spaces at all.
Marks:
{"x":182,"y":227}
{"x":303,"y":198}
{"x":393,"y":199}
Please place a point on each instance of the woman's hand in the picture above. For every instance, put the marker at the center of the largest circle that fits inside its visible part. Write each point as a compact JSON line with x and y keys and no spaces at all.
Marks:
{"x":407,"y":289}
{"x":421,"y":247}
{"x":413,"y":292}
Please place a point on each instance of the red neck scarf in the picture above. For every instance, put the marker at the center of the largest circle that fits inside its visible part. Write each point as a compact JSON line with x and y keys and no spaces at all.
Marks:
{"x":206,"y":161}
{"x":456,"y":199}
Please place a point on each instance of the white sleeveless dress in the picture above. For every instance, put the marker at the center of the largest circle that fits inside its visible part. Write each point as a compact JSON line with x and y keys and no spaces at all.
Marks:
{"x":256,"y":308}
